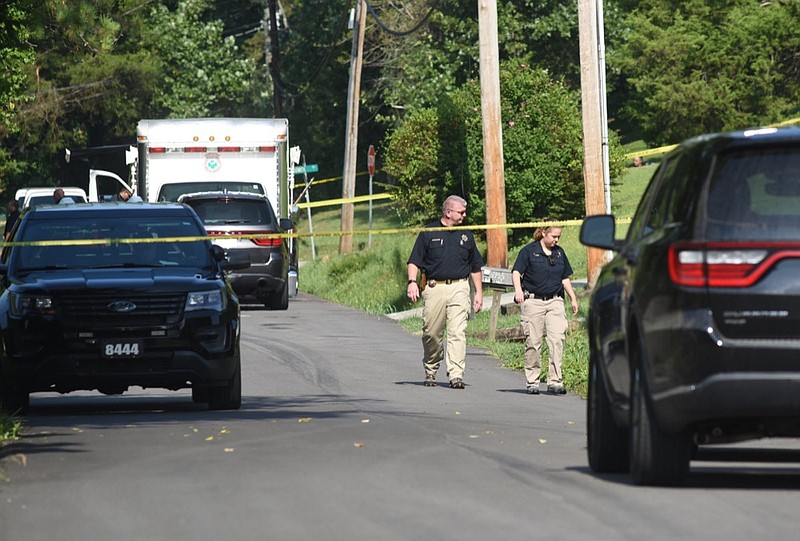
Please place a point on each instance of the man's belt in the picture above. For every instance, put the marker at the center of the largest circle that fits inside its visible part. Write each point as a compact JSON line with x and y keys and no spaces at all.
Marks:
{"x":432,"y":283}
{"x":529,"y":295}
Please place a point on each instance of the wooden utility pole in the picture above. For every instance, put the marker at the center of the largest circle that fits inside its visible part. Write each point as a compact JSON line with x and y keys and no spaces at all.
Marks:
{"x":351,"y":135}
{"x":274,"y":60}
{"x":592,"y":126}
{"x":492,"y":134}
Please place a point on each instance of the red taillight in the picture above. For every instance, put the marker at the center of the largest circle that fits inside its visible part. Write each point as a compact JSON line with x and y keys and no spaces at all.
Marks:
{"x":725,"y":264}
{"x":265,"y":242}
{"x":268,"y":241}
{"x":157,"y":150}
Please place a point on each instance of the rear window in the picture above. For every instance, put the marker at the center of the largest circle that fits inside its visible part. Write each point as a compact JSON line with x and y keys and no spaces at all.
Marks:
{"x":172,"y":191}
{"x":227,"y":211}
{"x":755,"y":195}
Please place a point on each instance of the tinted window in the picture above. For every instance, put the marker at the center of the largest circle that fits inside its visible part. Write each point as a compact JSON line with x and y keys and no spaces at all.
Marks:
{"x":133,"y":241}
{"x":171,"y":192}
{"x":233,"y":211}
{"x":755,"y":195}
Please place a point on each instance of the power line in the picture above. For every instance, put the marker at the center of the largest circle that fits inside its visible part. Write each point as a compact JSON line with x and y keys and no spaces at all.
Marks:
{"x":397,"y":32}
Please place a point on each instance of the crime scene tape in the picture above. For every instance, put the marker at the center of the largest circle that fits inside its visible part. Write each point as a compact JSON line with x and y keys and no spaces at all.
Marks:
{"x":296,"y":235}
{"x":333,"y":202}
{"x":665,"y":149}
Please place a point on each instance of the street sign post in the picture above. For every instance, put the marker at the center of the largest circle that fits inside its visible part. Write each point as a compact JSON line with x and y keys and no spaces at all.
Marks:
{"x":307,"y":168}
{"x":371,"y":169}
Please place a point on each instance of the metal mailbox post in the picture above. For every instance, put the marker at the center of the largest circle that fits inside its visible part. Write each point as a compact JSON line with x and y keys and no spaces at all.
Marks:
{"x":498,"y":280}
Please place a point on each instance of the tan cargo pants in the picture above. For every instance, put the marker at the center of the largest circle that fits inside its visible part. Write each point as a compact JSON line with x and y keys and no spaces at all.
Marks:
{"x":445,"y":308}
{"x":536,"y":318}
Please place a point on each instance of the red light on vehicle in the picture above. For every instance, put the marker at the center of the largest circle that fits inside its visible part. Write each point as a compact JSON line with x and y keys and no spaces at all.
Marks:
{"x":267,"y":242}
{"x":725,"y":264}
{"x":229,"y":149}
{"x":157,"y":150}
{"x":195,"y":149}
{"x":266,"y":149}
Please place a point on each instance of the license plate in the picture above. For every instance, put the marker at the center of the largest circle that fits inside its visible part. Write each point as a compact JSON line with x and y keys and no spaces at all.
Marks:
{"x":122,"y":350}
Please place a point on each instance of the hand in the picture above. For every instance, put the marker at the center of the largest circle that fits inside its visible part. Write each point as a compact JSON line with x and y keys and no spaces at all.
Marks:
{"x":574,"y":307}
{"x":413,"y":291}
{"x":477,"y":302}
{"x":519,"y":297}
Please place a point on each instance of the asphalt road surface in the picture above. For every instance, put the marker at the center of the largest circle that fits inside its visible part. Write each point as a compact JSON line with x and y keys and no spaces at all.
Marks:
{"x":337,"y":439}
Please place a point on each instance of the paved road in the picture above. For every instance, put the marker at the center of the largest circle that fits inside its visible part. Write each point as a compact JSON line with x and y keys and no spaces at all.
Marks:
{"x":338,"y":440}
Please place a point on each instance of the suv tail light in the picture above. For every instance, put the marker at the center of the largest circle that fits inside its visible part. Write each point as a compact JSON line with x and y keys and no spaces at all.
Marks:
{"x":267,"y":241}
{"x":725,"y":264}
{"x":258,"y":241}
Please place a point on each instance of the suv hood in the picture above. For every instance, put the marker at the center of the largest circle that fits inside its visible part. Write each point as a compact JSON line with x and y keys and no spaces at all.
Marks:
{"x":154,"y":279}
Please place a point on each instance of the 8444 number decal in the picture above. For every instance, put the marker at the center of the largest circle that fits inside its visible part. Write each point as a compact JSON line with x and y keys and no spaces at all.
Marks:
{"x":112,"y":350}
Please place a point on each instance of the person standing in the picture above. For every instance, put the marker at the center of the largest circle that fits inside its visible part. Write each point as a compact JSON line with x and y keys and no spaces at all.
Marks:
{"x":541,"y":276}
{"x":448,"y":260}
{"x":11,"y":218}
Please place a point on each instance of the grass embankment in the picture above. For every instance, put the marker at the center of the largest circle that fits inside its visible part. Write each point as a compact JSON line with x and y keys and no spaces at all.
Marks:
{"x":373,"y":278}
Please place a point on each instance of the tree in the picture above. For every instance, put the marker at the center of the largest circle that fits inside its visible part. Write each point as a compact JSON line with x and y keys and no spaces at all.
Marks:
{"x":16,"y":57}
{"x":203,"y":73}
{"x":436,"y":152}
{"x":704,"y":66}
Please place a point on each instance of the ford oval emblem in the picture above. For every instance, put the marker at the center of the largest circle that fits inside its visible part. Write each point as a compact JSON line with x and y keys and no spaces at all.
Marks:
{"x":121,"y":307}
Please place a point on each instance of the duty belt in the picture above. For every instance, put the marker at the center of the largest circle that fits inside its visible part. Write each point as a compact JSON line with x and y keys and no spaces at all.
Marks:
{"x":432,"y":283}
{"x":529,"y":295}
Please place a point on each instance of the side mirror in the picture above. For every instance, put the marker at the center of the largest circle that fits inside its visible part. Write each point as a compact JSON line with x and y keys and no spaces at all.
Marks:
{"x":598,"y":232}
{"x":239,"y":259}
{"x":286,"y":224}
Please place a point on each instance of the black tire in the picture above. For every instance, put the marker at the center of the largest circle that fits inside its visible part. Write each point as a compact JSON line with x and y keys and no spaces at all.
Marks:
{"x":228,"y":396}
{"x":200,"y":395}
{"x":607,"y":443}
{"x":279,"y":300}
{"x":13,"y":402}
{"x":657,"y":457}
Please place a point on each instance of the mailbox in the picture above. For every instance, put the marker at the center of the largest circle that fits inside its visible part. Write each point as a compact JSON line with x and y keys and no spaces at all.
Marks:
{"x":497,"y":277}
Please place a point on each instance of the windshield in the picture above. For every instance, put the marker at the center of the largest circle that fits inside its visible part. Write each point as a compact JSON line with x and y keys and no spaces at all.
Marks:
{"x":171,"y":192}
{"x":111,"y":242}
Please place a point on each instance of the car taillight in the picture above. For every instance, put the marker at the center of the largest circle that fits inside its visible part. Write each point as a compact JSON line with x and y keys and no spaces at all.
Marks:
{"x":262,"y":241}
{"x":725,"y":264}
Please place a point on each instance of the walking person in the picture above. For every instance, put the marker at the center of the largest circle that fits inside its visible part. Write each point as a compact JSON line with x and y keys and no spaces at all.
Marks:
{"x":541,"y":276}
{"x":11,"y":218}
{"x":448,"y":260}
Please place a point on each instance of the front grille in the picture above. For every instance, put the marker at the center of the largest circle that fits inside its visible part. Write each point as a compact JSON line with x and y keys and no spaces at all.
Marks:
{"x":91,"y":311}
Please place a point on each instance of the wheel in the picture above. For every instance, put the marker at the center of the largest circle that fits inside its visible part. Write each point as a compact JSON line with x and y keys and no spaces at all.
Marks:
{"x":607,"y":443}
{"x":12,"y":401}
{"x":200,"y":395}
{"x":228,"y":396}
{"x":279,"y":300}
{"x":657,"y":457}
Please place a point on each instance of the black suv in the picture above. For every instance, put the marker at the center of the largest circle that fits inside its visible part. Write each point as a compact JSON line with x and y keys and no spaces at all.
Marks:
{"x":110,"y":295}
{"x":244,"y":216}
{"x":694,"y":326}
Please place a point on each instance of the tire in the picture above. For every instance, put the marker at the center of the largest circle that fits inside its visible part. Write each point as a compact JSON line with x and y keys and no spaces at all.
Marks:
{"x":607,"y":443}
{"x":279,"y":300}
{"x":200,"y":395}
{"x":228,"y":396}
{"x":657,"y":457}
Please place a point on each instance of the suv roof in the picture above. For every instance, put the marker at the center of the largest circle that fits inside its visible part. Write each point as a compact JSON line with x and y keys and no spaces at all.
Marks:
{"x":96,"y":209}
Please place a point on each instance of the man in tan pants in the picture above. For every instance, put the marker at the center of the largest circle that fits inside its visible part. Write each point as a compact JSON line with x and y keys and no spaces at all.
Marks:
{"x":448,"y":259}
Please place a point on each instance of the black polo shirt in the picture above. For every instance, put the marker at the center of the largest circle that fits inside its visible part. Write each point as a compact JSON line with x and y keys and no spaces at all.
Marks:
{"x":446,"y":255}
{"x":542,"y":275}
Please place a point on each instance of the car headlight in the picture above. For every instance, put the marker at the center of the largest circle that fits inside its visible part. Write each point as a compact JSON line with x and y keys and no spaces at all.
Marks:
{"x":29,"y":305}
{"x":206,"y":300}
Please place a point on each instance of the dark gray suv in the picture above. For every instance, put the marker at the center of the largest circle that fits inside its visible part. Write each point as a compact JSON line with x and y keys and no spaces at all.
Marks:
{"x":245,"y":216}
{"x":694,"y":325}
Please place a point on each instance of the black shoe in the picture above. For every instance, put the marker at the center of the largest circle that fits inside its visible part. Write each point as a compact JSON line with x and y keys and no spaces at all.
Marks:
{"x":430,"y":380}
{"x":457,"y":383}
{"x":556,"y":389}
{"x":533,"y":389}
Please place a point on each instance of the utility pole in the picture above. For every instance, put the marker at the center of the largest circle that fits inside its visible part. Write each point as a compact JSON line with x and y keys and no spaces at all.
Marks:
{"x":592,"y":126}
{"x":351,"y":135}
{"x":274,"y":60}
{"x":494,"y":178}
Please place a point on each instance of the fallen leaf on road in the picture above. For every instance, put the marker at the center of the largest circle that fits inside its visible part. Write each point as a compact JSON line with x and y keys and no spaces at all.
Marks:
{"x":358,"y":444}
{"x":209,"y":438}
{"x":542,"y":440}
{"x":224,"y":431}
{"x":474,"y":436}
{"x":304,"y":420}
{"x":229,"y":449}
{"x":364,"y":420}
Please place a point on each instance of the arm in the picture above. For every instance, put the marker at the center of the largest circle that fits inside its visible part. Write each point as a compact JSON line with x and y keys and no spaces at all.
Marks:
{"x":477,"y":281}
{"x":519,"y":294}
{"x":412,"y":291}
{"x":571,"y":292}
